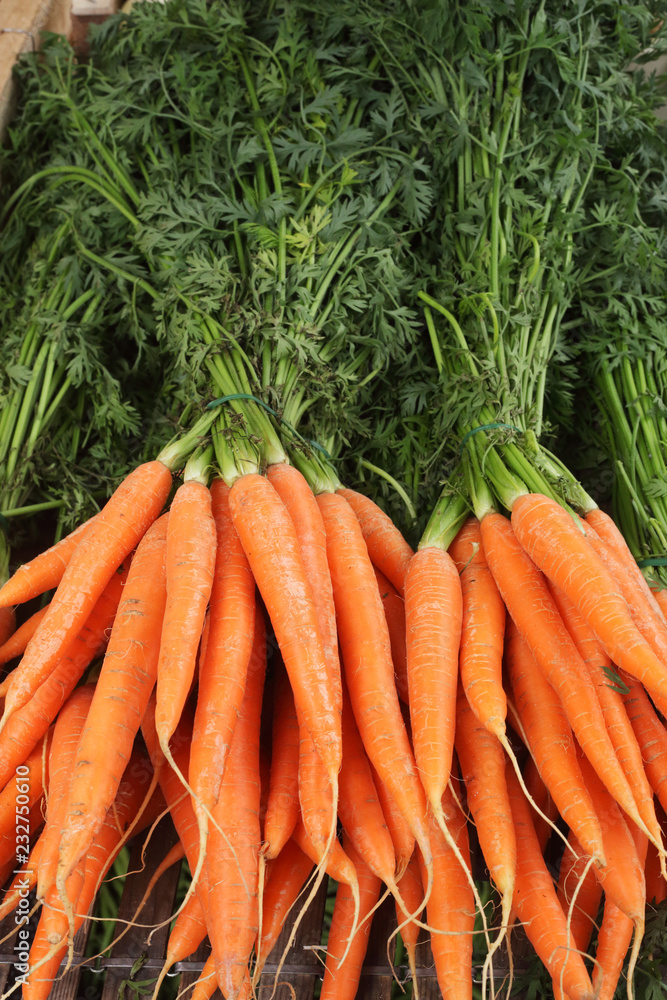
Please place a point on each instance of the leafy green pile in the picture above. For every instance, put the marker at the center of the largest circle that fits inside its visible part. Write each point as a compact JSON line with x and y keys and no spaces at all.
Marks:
{"x":248,"y":180}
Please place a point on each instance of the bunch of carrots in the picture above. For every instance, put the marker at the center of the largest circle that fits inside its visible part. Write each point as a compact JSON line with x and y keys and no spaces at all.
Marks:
{"x":393,"y":674}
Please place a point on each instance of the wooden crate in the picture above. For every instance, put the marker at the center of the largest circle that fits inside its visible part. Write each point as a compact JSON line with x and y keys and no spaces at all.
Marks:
{"x":304,"y":961}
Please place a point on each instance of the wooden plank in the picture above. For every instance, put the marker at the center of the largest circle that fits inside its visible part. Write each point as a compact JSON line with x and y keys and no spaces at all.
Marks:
{"x":158,"y":907}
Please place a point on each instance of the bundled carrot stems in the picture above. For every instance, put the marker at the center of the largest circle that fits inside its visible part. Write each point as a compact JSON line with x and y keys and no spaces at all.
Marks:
{"x":263,"y":254}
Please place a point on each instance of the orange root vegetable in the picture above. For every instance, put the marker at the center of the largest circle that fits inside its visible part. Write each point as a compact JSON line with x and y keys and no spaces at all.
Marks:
{"x":341,"y":977}
{"x":538,"y":906}
{"x":43,"y":572}
{"x":394,"y":613}
{"x":483,"y":629}
{"x":109,"y":540}
{"x":551,"y":744}
{"x":272,"y":547}
{"x":120,"y":698}
{"x":27,"y":726}
{"x":386,"y":546}
{"x":224,"y":656}
{"x":536,"y":616}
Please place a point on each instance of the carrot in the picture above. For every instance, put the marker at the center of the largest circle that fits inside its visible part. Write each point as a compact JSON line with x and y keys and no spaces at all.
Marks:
{"x":623,"y":878}
{"x":121,"y":695}
{"x":66,"y":733}
{"x":25,"y":789}
{"x":342,"y":971}
{"x":338,"y":865}
{"x":411,"y":892}
{"x":651,"y":736}
{"x":537,"y":904}
{"x":187,"y":934}
{"x":401,"y":836}
{"x":27,"y":726}
{"x":45,"y":571}
{"x":306,"y":517}
{"x":117,"y":529}
{"x":282,"y":809}
{"x":482,"y":763}
{"x":394,"y":613}
{"x":575,"y":876}
{"x":433,"y":617}
{"x":551,"y":744}
{"x":536,"y":616}
{"x":271,"y":545}
{"x":450,"y":909}
{"x":481,"y":654}
{"x":232,"y":861}
{"x":288,"y":875}
{"x":16,"y":643}
{"x":190,"y":561}
{"x":539,"y":794}
{"x":607,"y":531}
{"x":661,"y":600}
{"x":179,"y":802}
{"x":366,"y":655}
{"x":45,"y":958}
{"x":26,"y":877}
{"x":224,"y":662}
{"x":15,"y":842}
{"x":387,"y":548}
{"x":616,"y":718}
{"x":553,"y":541}
{"x":359,"y":807}
{"x":207,"y":984}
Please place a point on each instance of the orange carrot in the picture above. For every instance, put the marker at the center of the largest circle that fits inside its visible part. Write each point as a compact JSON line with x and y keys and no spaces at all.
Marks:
{"x":538,"y":906}
{"x":651,"y":736}
{"x":551,"y":743}
{"x":121,"y":695}
{"x":282,"y":810}
{"x":224,"y":663}
{"x":433,"y":617}
{"x":394,"y":613}
{"x":616,"y":718}
{"x":337,"y":862}
{"x":532,"y":608}
{"x":66,"y":733}
{"x":482,"y":763}
{"x":402,"y":837}
{"x":411,"y":892}
{"x":286,"y":880}
{"x":608,"y":532}
{"x":131,"y":793}
{"x":342,"y":971}
{"x":271,"y":545}
{"x":387,"y":548}
{"x":232,"y":861}
{"x":481,"y":655}
{"x":359,"y":807}
{"x":45,"y":571}
{"x":588,"y":893}
{"x":16,"y":643}
{"x":27,"y":726}
{"x":305,"y":514}
{"x":190,"y":561}
{"x":555,"y":543}
{"x":366,"y":655}
{"x":110,"y":539}
{"x":450,"y":909}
